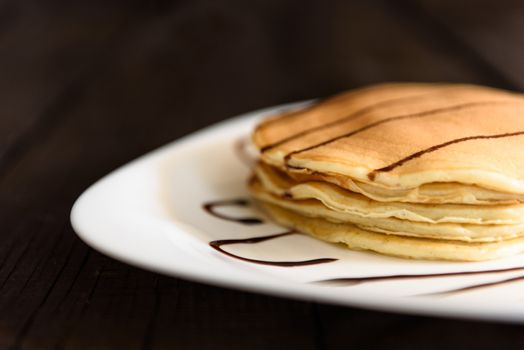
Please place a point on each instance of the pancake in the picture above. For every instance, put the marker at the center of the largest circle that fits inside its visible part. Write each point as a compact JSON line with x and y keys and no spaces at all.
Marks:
{"x":405,"y":247}
{"x":342,"y":200}
{"x":425,"y":171}
{"x":434,"y":193}
{"x":392,"y":225}
{"x":396,"y":138}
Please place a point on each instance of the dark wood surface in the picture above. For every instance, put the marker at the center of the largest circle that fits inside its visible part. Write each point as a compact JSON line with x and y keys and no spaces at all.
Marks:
{"x":87,"y":86}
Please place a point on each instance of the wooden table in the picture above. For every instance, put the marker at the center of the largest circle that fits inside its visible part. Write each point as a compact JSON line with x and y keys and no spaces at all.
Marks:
{"x":87,"y":87}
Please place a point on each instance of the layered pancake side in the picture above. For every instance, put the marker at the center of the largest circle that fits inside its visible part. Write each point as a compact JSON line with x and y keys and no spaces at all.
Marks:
{"x":426,"y":171}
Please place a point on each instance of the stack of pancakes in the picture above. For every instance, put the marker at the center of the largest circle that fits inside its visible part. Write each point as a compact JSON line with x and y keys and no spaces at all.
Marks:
{"x":424,"y":171}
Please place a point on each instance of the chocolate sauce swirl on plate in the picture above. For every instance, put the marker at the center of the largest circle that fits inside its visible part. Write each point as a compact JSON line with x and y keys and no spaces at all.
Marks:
{"x":357,"y":280}
{"x":209,"y":207}
{"x":217,"y":245}
{"x":475,"y":286}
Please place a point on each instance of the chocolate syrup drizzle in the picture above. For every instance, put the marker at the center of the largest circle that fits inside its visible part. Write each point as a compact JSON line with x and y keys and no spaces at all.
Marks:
{"x":217,"y":245}
{"x":315,"y":104}
{"x":476,"y":286}
{"x":393,"y":119}
{"x":418,"y":154}
{"x":209,"y":207}
{"x":350,"y":281}
{"x":358,"y":280}
{"x":345,"y":119}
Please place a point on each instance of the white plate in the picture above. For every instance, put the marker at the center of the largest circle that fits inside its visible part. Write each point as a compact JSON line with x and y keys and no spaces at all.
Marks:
{"x":149,"y":213}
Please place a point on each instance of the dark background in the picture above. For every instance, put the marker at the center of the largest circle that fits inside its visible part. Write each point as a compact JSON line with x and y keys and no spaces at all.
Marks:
{"x":87,"y":86}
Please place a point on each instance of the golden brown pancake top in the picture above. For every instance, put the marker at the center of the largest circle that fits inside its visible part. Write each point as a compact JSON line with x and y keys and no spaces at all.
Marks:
{"x":405,"y":135}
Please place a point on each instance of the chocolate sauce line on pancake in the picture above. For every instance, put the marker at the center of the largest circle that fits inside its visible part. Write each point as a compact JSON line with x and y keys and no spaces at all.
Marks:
{"x":358,"y":280}
{"x":209,"y":207}
{"x":393,"y":119}
{"x":475,"y":286}
{"x":345,"y":119}
{"x":315,"y":104}
{"x":418,"y":154}
{"x":217,"y":245}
